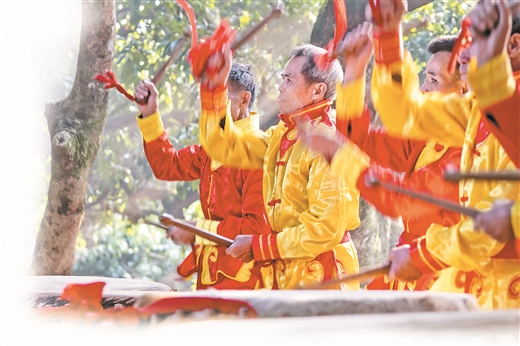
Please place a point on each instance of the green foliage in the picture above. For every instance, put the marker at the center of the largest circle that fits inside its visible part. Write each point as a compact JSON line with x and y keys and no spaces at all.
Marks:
{"x":441,"y":18}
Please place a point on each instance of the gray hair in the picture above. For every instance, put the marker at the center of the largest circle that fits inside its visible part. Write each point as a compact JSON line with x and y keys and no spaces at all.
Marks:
{"x":312,"y":74}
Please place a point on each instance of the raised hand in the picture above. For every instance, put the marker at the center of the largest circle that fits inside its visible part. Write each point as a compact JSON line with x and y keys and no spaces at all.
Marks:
{"x":390,"y":14}
{"x":490,"y":28}
{"x":220,"y":63}
{"x":145,"y":89}
{"x":356,"y":50}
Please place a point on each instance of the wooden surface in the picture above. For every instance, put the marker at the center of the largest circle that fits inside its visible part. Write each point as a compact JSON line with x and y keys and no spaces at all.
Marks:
{"x":328,"y":302}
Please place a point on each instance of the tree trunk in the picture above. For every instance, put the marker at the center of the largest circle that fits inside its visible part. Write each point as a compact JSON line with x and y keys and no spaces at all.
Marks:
{"x":75,"y":127}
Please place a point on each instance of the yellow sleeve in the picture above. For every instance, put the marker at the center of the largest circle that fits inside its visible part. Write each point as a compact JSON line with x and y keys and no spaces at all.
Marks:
{"x":349,"y":162}
{"x":208,"y":225}
{"x":333,"y":208}
{"x":406,"y":112}
{"x":515,"y":219}
{"x":350,"y":99}
{"x":233,"y":146}
{"x":151,"y":127}
{"x":460,"y":245}
{"x":492,"y":82}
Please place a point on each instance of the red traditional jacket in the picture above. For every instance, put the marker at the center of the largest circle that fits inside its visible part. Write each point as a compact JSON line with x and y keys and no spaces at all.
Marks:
{"x":410,"y":164}
{"x":231,"y":198}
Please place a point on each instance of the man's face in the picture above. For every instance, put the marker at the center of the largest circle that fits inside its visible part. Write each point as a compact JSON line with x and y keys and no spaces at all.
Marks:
{"x":437,"y":76}
{"x":294,"y":93}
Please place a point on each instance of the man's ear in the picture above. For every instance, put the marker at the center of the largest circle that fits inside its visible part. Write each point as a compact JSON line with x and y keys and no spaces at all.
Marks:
{"x":318,"y":91}
{"x":245,"y":98}
{"x":514,"y":46}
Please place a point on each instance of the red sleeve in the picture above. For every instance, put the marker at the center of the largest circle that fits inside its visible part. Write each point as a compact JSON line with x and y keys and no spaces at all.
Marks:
{"x":422,"y":259}
{"x":254,"y":219}
{"x":170,"y":164}
{"x":503,"y":119}
{"x":427,"y":180}
{"x":382,"y":149}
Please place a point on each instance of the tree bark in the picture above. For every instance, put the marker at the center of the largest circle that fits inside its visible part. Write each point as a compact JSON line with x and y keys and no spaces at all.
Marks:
{"x":75,"y":127}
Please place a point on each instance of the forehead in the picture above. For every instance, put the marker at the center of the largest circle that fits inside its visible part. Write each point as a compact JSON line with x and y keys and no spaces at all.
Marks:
{"x":438,"y":63}
{"x":294,"y":66}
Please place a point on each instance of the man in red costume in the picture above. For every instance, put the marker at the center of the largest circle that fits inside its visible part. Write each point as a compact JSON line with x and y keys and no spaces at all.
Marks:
{"x":231,"y":199}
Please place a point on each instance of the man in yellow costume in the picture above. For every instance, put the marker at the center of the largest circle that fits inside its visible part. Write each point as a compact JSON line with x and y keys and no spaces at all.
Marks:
{"x":457,"y":122}
{"x":309,"y":209}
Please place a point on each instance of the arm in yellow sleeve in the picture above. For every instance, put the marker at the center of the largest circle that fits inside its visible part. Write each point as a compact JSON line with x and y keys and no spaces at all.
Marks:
{"x":350,"y":99}
{"x":492,"y":82}
{"x":233,"y":146}
{"x":460,"y":245}
{"x":406,"y":112}
{"x":349,"y":162}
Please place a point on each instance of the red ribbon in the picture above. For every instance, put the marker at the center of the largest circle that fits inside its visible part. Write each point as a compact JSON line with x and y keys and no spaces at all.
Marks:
{"x":109,"y":78}
{"x":463,"y":41}
{"x":375,"y":7}
{"x":201,"y":51}
{"x":340,"y":15}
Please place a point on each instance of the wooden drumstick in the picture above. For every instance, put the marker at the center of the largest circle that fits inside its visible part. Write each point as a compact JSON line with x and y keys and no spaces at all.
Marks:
{"x":168,"y":220}
{"x":498,"y":175}
{"x":361,"y":276}
{"x":442,"y":203}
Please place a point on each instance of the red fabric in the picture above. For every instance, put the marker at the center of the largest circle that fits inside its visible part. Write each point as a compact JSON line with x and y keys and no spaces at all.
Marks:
{"x":231,"y":196}
{"x":462,"y":42}
{"x":391,"y":155}
{"x":422,"y":259}
{"x":503,"y":120}
{"x":302,"y":115}
{"x":265,"y":248}
{"x":388,"y":47}
{"x":384,"y":150}
{"x":201,"y":51}
{"x":340,"y":15}
{"x":109,"y":78}
{"x":85,"y":303}
{"x":375,"y":7}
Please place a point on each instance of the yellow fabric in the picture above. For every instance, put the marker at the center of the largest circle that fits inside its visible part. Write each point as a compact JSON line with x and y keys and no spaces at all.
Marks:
{"x":493,"y":82}
{"x":515,"y":219}
{"x":350,"y":99}
{"x":210,"y":255}
{"x":251,"y":122}
{"x":429,"y":155}
{"x":453,"y":120}
{"x":208,"y":225}
{"x":316,"y":208}
{"x":349,"y":162}
{"x":151,"y":127}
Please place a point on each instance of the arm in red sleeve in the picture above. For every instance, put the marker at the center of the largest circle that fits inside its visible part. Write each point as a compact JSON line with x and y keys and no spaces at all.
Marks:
{"x":503,"y":119}
{"x":386,"y":151}
{"x":428,"y":180}
{"x":423,"y":259}
{"x":170,"y":164}
{"x":254,"y":219}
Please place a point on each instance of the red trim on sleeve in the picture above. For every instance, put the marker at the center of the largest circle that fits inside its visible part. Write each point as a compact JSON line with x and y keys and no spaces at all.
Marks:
{"x":265,"y":248}
{"x":388,"y":47}
{"x":423,"y":259}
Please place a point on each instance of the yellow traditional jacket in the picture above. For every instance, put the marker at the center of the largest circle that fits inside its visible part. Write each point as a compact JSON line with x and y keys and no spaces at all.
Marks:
{"x":456,"y":121}
{"x":308,"y":208}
